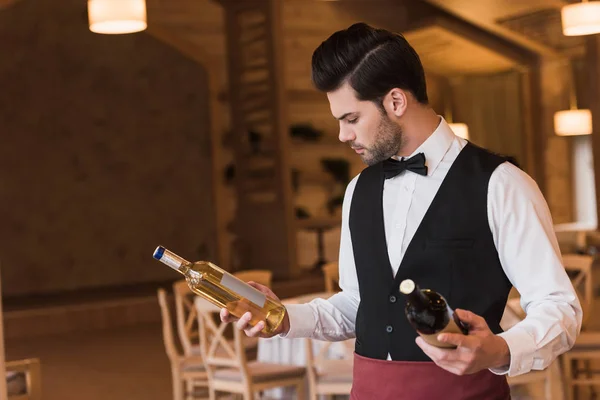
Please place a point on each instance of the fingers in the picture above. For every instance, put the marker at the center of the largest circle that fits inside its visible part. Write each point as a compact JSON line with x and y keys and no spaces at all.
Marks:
{"x":244,"y":322}
{"x":450,"y":360}
{"x":256,"y":330}
{"x":452,"y":338}
{"x":435,"y":353}
{"x":473,"y":320}
{"x":225,"y":316}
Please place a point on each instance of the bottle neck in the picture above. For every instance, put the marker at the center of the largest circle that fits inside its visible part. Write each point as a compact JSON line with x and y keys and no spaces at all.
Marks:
{"x":174,"y":261}
{"x":418,"y":299}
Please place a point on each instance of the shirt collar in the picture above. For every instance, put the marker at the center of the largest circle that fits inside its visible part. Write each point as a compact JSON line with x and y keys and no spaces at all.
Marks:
{"x":436,"y":146}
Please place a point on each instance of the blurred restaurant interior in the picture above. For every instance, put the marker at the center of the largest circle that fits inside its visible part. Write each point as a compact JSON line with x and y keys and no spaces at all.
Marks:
{"x":194,"y":124}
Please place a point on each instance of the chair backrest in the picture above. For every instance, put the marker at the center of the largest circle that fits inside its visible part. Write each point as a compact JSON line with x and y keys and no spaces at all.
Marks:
{"x":185,"y":313}
{"x":331,"y":273}
{"x":30,"y":387}
{"x":261,"y":276}
{"x":167,"y":326}
{"x":581,"y":266}
{"x":217,"y":351}
{"x":323,"y":360}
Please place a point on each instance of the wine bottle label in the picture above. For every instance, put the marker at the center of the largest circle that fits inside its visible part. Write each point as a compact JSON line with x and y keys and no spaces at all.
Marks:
{"x":432,"y":339}
{"x":243,"y":289}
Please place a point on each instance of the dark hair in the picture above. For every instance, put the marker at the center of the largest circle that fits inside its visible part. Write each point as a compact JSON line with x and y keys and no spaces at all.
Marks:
{"x":373,"y":61}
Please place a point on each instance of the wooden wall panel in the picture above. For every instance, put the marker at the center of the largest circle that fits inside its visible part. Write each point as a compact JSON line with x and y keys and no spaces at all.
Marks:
{"x":106,"y":153}
{"x":493,"y":109}
{"x":557,"y":155}
{"x":590,"y":74}
{"x":491,"y":106}
{"x":199,"y":23}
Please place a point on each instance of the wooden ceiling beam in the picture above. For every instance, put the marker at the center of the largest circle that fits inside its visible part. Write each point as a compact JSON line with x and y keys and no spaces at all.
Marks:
{"x":519,"y":55}
{"x":491,"y":27}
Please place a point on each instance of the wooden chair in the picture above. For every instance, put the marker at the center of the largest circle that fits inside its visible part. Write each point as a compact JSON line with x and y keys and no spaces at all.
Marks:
{"x":265,"y":278}
{"x":587,"y":345}
{"x":331,"y":273}
{"x":188,"y":371}
{"x":24,"y":382}
{"x":579,"y":267}
{"x":328,"y":376}
{"x":261,"y":276}
{"x":187,"y":321}
{"x":585,"y":350}
{"x":20,"y":379}
{"x":546,"y":377}
{"x":186,"y":318}
{"x":227,"y":366}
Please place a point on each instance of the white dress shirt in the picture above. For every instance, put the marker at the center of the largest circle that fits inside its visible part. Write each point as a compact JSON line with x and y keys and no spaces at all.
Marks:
{"x":524,"y":237}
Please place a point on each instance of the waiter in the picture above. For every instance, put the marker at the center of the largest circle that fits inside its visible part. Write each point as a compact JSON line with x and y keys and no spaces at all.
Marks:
{"x":436,"y":209}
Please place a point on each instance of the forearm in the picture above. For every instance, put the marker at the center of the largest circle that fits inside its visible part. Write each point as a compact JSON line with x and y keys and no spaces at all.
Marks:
{"x":549,"y":330}
{"x":331,"y":320}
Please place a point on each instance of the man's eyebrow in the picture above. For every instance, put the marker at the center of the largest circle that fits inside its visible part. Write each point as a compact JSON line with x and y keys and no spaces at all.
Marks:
{"x":345,"y":115}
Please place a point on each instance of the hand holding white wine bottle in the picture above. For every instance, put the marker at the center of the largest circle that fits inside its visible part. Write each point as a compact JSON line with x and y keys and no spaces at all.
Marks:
{"x":259,"y":311}
{"x":247,"y":320}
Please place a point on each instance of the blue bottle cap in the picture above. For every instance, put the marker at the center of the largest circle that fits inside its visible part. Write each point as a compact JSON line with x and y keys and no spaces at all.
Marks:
{"x":158,"y":253}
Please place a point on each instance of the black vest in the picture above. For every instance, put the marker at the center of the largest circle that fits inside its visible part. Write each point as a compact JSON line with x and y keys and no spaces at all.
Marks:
{"x":452,"y":252}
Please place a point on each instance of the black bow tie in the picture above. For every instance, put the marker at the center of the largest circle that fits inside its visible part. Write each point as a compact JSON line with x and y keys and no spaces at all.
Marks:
{"x":392,"y":167}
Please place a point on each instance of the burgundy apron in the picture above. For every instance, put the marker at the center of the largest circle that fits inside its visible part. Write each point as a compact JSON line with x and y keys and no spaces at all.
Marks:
{"x":416,"y":380}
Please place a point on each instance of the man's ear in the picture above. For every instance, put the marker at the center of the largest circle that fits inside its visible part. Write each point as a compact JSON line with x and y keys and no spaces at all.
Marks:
{"x":395,"y":102}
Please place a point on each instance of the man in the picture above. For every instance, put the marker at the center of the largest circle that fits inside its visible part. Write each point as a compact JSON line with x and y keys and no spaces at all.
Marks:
{"x":436,"y":209}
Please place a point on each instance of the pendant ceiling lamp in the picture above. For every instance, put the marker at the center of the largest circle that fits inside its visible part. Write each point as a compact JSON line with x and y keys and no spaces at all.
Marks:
{"x":460,"y":129}
{"x":573,"y":122}
{"x":580,"y":19}
{"x":117,"y":16}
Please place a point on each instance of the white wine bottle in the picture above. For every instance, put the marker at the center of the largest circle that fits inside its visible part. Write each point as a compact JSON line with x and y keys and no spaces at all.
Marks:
{"x":225,"y":290}
{"x":429,"y":313}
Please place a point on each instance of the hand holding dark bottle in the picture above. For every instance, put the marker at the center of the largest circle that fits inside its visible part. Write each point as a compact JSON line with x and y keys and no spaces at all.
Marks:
{"x":471,"y":353}
{"x":456,"y":346}
{"x":429,"y":313}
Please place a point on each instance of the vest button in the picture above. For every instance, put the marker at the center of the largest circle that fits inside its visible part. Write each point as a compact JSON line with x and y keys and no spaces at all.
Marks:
{"x":392,"y":299}
{"x":389,"y":329}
